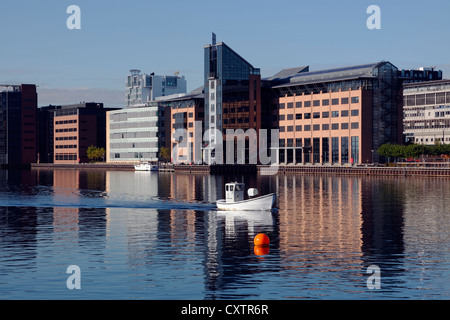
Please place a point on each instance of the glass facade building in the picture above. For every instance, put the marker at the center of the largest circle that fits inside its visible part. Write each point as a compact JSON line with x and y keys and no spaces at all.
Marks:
{"x":232,"y":96}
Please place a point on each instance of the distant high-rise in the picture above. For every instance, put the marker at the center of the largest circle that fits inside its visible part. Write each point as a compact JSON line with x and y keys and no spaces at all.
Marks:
{"x":143,"y":88}
{"x":18,"y":128}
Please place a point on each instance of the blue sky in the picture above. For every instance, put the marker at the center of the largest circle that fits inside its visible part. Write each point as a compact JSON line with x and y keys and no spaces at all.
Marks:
{"x":91,"y":64}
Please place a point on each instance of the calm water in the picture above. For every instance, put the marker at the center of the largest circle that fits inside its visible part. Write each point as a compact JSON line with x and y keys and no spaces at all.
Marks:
{"x":142,"y":235}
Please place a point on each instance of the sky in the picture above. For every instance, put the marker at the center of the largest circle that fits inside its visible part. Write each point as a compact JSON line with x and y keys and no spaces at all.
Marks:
{"x":92,"y":63}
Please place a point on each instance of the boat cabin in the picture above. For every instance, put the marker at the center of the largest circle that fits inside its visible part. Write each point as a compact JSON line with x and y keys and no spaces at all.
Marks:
{"x":234,"y":191}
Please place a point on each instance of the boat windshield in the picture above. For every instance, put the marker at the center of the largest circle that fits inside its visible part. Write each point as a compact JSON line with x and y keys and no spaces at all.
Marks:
{"x":239,"y":187}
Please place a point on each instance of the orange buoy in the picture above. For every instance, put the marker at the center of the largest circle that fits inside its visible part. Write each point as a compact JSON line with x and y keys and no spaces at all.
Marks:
{"x":261,"y":239}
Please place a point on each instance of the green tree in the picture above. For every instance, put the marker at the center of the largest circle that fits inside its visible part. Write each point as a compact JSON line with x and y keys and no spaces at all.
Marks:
{"x":95,"y":153}
{"x":164,"y":154}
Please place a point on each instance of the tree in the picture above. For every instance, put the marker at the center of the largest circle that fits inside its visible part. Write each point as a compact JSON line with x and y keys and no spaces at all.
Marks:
{"x":164,"y":154}
{"x":95,"y":153}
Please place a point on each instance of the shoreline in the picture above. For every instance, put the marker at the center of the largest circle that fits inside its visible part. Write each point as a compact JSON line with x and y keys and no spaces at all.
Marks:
{"x":443,"y":172}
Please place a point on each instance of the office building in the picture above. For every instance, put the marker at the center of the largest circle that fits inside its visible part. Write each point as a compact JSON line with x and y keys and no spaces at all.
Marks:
{"x":232,"y":96}
{"x":339,"y":115}
{"x":186,"y":113}
{"x":143,"y":88}
{"x":426,"y":108}
{"x":136,"y":133}
{"x":76,"y":128}
{"x":18,"y":124}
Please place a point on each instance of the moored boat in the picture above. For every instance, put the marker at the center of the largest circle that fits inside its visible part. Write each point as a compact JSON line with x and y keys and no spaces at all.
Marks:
{"x":146,"y":166}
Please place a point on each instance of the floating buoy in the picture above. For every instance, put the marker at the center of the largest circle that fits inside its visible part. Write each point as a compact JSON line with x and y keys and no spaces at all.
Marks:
{"x":261,"y":239}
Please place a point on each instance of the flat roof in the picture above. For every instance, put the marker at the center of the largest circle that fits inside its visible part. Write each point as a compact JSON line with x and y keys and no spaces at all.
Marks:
{"x":332,"y":75}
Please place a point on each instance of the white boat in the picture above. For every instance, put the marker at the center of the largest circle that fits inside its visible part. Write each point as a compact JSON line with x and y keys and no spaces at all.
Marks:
{"x":146,"y":166}
{"x":234,"y":199}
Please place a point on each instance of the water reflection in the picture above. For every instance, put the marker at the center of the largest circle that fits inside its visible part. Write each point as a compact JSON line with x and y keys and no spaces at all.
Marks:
{"x":160,"y":237}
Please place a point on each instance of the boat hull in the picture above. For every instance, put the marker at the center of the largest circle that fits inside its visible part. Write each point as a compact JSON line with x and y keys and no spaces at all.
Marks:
{"x":260,"y":203}
{"x":145,"y":168}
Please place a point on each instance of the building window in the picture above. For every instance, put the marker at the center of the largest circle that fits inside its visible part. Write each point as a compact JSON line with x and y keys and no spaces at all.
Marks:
{"x":316,"y":115}
{"x":334,"y":114}
{"x":298,"y":128}
{"x":290,"y":117}
{"x":325,"y":126}
{"x":307,"y":104}
{"x":298,"y":104}
{"x":344,"y":101}
{"x":325,"y":102}
{"x":355,"y":99}
{"x":316,"y":150}
{"x":335,"y":126}
{"x":281,"y":117}
{"x":307,"y":127}
{"x":298,"y":116}
{"x":290,"y":128}
{"x":355,"y":149}
{"x":316,"y":103}
{"x":316,"y":127}
{"x":355,"y":112}
{"x":344,"y":113}
{"x":344,"y":149}
{"x":290,"y":105}
{"x":282,"y":106}
{"x":282,"y":129}
{"x":334,"y":102}
{"x":344,"y":125}
{"x":355,"y":125}
{"x":325,"y":114}
{"x":307,"y":115}
{"x":325,"y":150}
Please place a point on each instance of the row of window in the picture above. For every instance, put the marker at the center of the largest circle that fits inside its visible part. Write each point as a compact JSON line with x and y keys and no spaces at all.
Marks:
{"x":66,"y":146}
{"x":66,"y":138}
{"x":318,"y":103}
{"x":318,"y":115}
{"x":66,"y":121}
{"x":67,"y":130}
{"x":320,"y":150}
{"x":317,"y":127}
{"x":66,"y":156}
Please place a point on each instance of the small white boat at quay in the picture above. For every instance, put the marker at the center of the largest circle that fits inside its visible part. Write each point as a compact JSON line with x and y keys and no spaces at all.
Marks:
{"x":146,"y":166}
{"x":234,"y":199}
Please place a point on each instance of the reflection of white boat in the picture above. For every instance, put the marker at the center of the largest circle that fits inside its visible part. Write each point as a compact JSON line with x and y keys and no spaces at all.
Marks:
{"x":234,"y":199}
{"x":146,"y":166}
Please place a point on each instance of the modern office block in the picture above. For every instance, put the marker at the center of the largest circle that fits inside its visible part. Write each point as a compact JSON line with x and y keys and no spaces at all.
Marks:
{"x":143,"y":88}
{"x":76,"y":128}
{"x":339,"y":115}
{"x":136,"y":133}
{"x":18,"y":124}
{"x":232,"y":95}
{"x":426,"y":109}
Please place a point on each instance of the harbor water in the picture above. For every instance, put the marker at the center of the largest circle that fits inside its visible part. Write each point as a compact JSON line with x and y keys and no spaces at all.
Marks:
{"x":149,"y":235}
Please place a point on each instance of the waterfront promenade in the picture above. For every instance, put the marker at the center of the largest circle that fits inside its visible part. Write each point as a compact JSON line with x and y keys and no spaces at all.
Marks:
{"x":430,"y":171}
